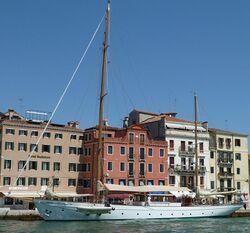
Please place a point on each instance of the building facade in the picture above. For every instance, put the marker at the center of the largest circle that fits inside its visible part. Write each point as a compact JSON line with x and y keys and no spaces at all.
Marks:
{"x":130,"y":157}
{"x":228,"y":162}
{"x":180,"y":136}
{"x":57,"y":161}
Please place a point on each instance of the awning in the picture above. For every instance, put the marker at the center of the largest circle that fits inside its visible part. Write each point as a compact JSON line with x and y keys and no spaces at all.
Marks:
{"x":217,"y":193}
{"x":70,"y":194}
{"x":21,"y":194}
{"x":144,"y":189}
{"x":182,"y":126}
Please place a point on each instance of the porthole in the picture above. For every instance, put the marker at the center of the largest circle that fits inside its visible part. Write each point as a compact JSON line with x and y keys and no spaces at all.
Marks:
{"x":190,"y":214}
{"x":182,"y":214}
{"x":149,"y":214}
{"x":202,"y":213}
{"x":172,"y":214}
{"x":161,"y":214}
{"x":122,"y":213}
{"x":137,"y":213}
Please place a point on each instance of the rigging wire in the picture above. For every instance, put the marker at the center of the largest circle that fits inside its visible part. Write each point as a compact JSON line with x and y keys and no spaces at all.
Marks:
{"x":60,"y":100}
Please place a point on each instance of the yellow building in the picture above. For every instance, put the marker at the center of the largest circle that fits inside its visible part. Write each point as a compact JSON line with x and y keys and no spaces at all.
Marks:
{"x":228,"y":162}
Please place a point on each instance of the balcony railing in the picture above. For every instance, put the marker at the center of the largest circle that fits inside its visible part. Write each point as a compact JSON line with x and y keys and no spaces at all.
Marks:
{"x":225,"y":174}
{"x":225,"y":162}
{"x":187,"y":150}
{"x":185,"y":169}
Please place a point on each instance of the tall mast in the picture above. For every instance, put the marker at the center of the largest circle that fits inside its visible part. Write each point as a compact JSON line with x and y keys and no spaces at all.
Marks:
{"x":102,"y":95}
{"x":196,"y":146}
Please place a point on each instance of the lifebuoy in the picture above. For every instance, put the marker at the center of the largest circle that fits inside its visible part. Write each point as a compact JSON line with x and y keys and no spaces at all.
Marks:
{"x":203,"y":201}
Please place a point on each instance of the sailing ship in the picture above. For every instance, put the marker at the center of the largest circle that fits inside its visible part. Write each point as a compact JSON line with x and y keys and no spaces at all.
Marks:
{"x":138,"y":205}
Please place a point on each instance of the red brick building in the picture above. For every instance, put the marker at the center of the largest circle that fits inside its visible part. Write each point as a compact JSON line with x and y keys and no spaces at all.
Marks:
{"x":130,"y":157}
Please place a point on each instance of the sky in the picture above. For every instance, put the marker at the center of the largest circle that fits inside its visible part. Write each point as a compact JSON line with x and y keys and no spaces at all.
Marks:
{"x":160,"y":52}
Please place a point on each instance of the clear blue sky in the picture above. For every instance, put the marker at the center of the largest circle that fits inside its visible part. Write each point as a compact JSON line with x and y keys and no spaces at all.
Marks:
{"x":160,"y":52}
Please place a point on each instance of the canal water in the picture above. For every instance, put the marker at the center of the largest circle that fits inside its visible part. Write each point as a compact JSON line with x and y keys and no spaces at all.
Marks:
{"x":201,"y":225}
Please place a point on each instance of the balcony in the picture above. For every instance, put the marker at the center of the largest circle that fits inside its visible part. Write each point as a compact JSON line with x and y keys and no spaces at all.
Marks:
{"x":187,"y":151}
{"x":225,"y":175}
{"x":187,"y":170}
{"x":225,"y":162}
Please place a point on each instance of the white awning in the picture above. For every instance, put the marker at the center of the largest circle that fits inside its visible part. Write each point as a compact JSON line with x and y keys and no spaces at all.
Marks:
{"x":144,"y":189}
{"x":21,"y":194}
{"x":182,"y":126}
{"x":70,"y":194}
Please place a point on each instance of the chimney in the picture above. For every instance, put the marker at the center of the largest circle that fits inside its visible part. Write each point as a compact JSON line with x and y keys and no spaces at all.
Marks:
{"x":11,"y":113}
{"x":125,"y":122}
{"x":205,"y":125}
{"x":74,"y":124}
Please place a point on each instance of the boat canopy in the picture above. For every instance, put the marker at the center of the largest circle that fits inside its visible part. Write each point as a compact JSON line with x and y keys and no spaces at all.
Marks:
{"x":144,"y":189}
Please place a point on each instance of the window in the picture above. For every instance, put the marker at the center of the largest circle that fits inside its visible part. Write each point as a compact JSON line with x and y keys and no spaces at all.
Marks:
{"x":73,"y":137}
{"x":58,"y":149}
{"x":81,"y":138}
{"x":171,"y":162}
{"x":44,"y":181}
{"x":122,"y":150}
{"x":183,"y":146}
{"x":201,"y":180}
{"x":56,"y":182}
{"x":238,"y":185}
{"x":72,"y":167}
{"x":221,"y":142}
{"x":161,"y":152}
{"x":45,"y":166}
{"x":150,"y":152}
{"x":22,"y":146}
{"x":131,"y":153}
{"x":171,"y":180}
{"x":161,"y":167}
{"x":150,"y":182}
{"x":10,"y":131}
{"x":23,"y":132}
{"x":71,"y":182}
{"x":9,"y":145}
{"x":33,"y":147}
{"x":211,"y":155}
{"x":142,"y":153}
{"x":228,"y":143}
{"x":56,"y":166}
{"x":161,"y":182}
{"x":201,"y":147}
{"x":32,"y":165}
{"x":21,"y":164}
{"x":141,"y":182}
{"x":110,"y":166}
{"x":21,"y":181}
{"x":87,"y":183}
{"x":87,"y":151}
{"x":237,"y":156}
{"x":7,"y":164}
{"x":150,"y":167}
{"x":83,"y":167}
{"x":32,"y":181}
{"x":72,"y":150}
{"x":46,"y":135}
{"x":46,"y":148}
{"x":122,"y":167}
{"x":238,"y":171}
{"x":58,"y":136}
{"x":122,"y":182}
{"x":110,"y":150}
{"x":171,"y":145}
{"x":142,"y":169}
{"x":211,"y":170}
{"x":142,"y":139}
{"x":237,"y":142}
{"x":212,"y":184}
{"x":109,"y":181}
{"x":6,"y":180}
{"x":131,"y":182}
{"x":131,"y":169}
{"x":131,"y":138}
{"x":80,"y":151}
{"x":34,"y":133}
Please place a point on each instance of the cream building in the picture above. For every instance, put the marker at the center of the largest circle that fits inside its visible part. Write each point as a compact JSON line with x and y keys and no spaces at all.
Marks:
{"x":58,"y":161}
{"x":228,"y":162}
{"x":180,"y":136}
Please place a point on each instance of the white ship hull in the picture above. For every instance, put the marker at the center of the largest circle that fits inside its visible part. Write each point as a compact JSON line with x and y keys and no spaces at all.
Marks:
{"x":69,"y":211}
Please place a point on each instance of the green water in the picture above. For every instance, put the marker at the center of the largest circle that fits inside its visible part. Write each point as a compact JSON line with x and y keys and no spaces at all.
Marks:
{"x":215,"y":225}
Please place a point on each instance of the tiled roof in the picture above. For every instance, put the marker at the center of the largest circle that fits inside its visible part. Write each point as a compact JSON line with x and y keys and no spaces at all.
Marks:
{"x":221,"y":131}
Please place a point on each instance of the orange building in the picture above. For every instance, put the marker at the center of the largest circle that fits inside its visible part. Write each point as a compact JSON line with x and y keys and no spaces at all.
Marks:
{"x":130,"y":157}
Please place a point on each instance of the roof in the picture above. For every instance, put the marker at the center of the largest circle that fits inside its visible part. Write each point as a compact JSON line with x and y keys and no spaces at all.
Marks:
{"x":144,"y":189}
{"x":167,"y":117}
{"x":221,"y":131}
